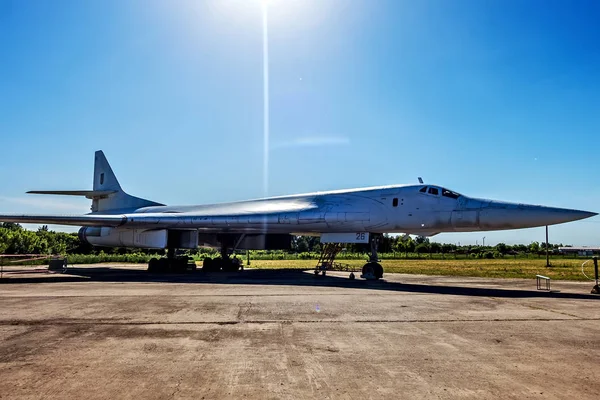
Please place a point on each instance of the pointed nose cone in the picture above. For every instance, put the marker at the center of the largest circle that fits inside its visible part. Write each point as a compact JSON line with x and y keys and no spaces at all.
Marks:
{"x":498,"y":215}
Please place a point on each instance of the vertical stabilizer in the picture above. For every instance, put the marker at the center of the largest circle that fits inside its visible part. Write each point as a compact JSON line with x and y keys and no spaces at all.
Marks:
{"x":104,"y":177}
{"x":107,"y":195}
{"x":105,"y":180}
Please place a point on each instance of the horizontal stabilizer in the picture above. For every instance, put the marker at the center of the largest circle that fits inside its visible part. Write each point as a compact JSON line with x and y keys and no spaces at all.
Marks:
{"x":420,"y":233}
{"x":428,"y":234}
{"x":83,"y":220}
{"x":90,"y":194}
{"x":107,"y":194}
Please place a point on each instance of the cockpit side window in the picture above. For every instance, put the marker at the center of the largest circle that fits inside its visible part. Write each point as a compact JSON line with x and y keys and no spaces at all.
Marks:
{"x":434,"y":191}
{"x":423,"y":189}
{"x":449,"y":193}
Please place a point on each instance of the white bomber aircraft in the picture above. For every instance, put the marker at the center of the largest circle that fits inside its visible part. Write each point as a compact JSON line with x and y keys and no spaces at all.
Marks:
{"x":342,"y":216}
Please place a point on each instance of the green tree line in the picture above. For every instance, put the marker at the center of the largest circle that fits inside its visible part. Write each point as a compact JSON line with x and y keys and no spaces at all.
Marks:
{"x":14,"y":239}
{"x":421,"y":245}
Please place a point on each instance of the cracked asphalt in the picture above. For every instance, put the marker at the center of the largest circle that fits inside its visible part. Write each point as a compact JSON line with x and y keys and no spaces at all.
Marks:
{"x":109,"y":331}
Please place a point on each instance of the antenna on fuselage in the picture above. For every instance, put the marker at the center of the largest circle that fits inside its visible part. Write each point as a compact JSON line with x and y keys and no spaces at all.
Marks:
{"x":420,"y":180}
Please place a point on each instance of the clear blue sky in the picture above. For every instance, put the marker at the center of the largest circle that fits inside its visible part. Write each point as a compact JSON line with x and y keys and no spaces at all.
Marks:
{"x":497,"y":99}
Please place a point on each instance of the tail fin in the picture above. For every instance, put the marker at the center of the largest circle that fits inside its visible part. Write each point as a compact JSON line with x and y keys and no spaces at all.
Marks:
{"x":107,"y":195}
{"x":106,"y":181}
{"x":104,"y":177}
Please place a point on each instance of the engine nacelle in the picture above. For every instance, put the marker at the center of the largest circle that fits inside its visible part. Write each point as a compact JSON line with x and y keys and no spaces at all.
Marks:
{"x":179,"y":239}
{"x":142,"y":238}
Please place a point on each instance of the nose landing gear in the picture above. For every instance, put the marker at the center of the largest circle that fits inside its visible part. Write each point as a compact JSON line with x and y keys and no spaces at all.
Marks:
{"x":373,"y":270}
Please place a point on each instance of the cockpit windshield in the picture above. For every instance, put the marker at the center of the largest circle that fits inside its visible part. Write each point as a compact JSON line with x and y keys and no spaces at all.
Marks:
{"x":449,"y":193}
{"x":435,"y":191}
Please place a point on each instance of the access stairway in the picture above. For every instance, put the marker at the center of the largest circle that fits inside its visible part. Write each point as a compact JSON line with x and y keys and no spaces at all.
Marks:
{"x":327,"y":260}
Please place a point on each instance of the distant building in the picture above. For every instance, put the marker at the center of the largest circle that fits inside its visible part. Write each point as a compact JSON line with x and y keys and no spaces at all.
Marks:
{"x":580,"y":251}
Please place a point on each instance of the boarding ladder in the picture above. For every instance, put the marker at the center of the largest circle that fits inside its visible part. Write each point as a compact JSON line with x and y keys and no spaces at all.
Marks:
{"x":327,"y":259}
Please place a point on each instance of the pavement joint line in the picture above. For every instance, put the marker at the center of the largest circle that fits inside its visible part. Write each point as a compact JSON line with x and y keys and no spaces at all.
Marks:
{"x":258,"y":322}
{"x":384,"y":294}
{"x":549,"y":310}
{"x":199,"y":295}
{"x":537,"y":308}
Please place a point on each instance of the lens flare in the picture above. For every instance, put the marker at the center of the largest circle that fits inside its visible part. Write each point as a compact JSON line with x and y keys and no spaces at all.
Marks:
{"x":265,"y":98}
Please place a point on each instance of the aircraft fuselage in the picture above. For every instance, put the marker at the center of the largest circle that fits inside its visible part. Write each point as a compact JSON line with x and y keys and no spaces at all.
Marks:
{"x":415,"y":209}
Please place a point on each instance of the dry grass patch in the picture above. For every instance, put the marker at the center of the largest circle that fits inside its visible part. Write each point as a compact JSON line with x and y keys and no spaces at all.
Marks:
{"x":506,"y":268}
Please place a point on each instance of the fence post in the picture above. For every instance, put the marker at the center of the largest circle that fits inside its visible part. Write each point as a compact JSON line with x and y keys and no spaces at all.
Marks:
{"x":596,"y":288}
{"x":547,"y":251}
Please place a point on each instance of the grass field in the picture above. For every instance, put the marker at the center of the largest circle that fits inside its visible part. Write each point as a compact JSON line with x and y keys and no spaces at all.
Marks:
{"x":508,"y":268}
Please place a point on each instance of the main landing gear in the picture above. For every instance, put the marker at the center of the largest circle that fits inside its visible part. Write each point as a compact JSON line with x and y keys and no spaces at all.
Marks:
{"x":223,"y":263}
{"x":171,"y":263}
{"x":373,"y":270}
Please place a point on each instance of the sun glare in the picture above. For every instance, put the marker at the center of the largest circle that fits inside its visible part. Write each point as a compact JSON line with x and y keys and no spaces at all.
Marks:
{"x":265,"y":98}
{"x":280,"y":11}
{"x":276,"y":17}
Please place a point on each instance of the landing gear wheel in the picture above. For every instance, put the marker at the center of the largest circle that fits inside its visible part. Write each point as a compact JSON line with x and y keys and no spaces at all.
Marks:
{"x":225,"y":264}
{"x":179,"y":265}
{"x":372,"y":271}
{"x":162,"y":265}
{"x":153,"y":265}
{"x":367,"y":271}
{"x":230,"y":264}
{"x":210,"y":265}
{"x":171,"y":264}
{"x":378,"y":270}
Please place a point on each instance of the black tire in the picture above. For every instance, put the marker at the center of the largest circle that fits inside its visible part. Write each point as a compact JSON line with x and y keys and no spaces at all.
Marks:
{"x":152,"y":265}
{"x":351,"y":276}
{"x":377,"y":270}
{"x":217,"y":264}
{"x":179,"y":265}
{"x":162,"y":265}
{"x":368,"y":269}
{"x":227,"y":266}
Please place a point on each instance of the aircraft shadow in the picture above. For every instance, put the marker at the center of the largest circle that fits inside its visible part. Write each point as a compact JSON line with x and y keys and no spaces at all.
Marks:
{"x":280,"y":277}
